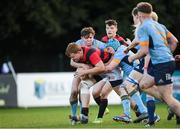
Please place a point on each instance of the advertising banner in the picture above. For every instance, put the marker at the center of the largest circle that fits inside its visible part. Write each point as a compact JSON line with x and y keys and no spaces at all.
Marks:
{"x":49,"y":89}
{"x":176,"y":86}
{"x":8,"y":91}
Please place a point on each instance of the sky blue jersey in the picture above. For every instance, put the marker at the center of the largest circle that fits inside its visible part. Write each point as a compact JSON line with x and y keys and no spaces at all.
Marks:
{"x":154,"y":35}
{"x":122,"y":58}
{"x":95,"y":44}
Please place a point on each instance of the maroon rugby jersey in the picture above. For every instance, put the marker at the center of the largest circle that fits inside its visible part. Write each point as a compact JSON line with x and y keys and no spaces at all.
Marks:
{"x":94,"y":55}
{"x":119,"y":38}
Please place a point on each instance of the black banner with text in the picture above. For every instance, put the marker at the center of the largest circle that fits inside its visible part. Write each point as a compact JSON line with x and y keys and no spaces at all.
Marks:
{"x":8,"y":91}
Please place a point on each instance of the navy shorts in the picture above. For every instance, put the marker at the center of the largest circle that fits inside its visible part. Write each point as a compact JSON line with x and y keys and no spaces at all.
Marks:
{"x":116,"y":83}
{"x":139,"y":68}
{"x":163,"y":72}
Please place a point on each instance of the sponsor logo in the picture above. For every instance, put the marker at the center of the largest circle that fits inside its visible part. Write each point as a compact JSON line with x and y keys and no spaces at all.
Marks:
{"x":4,"y":88}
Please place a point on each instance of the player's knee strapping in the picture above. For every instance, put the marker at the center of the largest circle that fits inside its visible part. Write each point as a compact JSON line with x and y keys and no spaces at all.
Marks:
{"x":85,"y":86}
{"x":125,"y":97}
{"x":131,"y":89}
{"x":133,"y":81}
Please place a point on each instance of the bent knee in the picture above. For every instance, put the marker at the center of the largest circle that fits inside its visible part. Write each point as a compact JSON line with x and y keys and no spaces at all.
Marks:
{"x":95,"y":94}
{"x":143,"y":85}
{"x":104,"y":96}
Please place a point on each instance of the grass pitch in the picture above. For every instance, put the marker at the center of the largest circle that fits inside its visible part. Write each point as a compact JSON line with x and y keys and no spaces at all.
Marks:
{"x":57,"y":117}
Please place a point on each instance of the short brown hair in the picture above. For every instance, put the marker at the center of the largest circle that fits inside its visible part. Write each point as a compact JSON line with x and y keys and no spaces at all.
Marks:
{"x":86,"y":31}
{"x":111,"y":22}
{"x":72,"y":48}
{"x":144,"y":7}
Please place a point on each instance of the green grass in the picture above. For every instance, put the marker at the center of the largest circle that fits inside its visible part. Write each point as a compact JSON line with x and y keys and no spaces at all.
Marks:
{"x":57,"y":117}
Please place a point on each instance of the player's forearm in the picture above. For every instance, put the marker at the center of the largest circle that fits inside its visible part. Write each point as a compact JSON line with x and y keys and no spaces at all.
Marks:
{"x":172,"y":41}
{"x":111,"y":66}
{"x":173,"y":47}
{"x":133,"y":44}
{"x":76,"y":65}
{"x":147,"y":60}
{"x":138,"y":55}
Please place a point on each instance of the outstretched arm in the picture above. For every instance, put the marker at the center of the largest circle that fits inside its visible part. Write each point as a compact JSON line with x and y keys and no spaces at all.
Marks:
{"x":132,"y":45}
{"x":141,"y":53}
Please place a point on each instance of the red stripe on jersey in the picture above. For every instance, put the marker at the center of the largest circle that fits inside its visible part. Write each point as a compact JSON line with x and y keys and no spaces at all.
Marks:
{"x":105,"y":38}
{"x":119,"y":38}
{"x":93,"y":56}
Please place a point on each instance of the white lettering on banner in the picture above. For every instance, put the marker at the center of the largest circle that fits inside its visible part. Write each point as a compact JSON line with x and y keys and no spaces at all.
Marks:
{"x":52,"y":88}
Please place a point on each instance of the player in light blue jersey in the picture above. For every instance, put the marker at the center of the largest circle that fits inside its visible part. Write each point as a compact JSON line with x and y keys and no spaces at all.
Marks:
{"x":128,"y":88}
{"x":90,"y":42}
{"x":154,"y":38}
{"x":143,"y":68}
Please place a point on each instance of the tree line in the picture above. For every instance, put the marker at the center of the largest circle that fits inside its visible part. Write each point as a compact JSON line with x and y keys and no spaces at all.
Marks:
{"x":42,"y":28}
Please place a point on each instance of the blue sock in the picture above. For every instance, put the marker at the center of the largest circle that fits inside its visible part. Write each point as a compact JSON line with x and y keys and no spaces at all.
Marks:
{"x":74,"y":105}
{"x":137,"y":98}
{"x":149,"y":97}
{"x":126,"y":105}
{"x":151,"y":110}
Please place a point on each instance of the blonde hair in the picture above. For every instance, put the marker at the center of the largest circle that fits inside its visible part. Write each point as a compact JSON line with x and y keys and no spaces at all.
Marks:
{"x":154,"y":16}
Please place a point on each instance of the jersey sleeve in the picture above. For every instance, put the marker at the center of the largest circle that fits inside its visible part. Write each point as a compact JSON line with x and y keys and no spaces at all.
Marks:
{"x":100,"y":44}
{"x":168,"y":33}
{"x":119,"y":54}
{"x":143,"y":37}
{"x":79,"y":42}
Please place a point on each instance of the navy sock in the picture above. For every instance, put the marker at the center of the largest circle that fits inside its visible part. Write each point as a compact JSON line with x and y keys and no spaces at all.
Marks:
{"x":98,"y":100}
{"x":85,"y":111}
{"x":151,"y":109}
{"x":102,"y":107}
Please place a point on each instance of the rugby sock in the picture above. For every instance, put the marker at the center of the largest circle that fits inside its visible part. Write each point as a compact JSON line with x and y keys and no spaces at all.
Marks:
{"x":150,"y":107}
{"x":85,"y":111}
{"x":102,"y":107}
{"x":80,"y":106}
{"x":136,"y":97}
{"x":149,"y":97}
{"x":177,"y":120}
{"x":151,"y":110}
{"x":98,"y":100}
{"x":126,"y":105}
{"x":80,"y":103}
{"x":74,"y":105}
{"x":136,"y":110}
